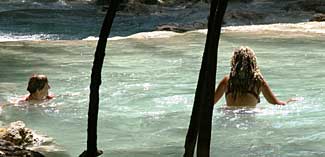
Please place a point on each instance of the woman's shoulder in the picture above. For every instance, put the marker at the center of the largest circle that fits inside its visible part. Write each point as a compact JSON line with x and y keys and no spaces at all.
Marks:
{"x":224,"y":82}
{"x":50,"y":96}
{"x":225,"y":79}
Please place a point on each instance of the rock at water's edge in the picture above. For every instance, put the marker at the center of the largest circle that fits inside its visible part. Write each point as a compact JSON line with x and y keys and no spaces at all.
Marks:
{"x":318,"y":17}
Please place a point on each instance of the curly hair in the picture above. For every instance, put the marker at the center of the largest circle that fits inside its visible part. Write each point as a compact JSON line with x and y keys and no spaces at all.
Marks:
{"x":245,"y":75}
{"x":36,"y":82}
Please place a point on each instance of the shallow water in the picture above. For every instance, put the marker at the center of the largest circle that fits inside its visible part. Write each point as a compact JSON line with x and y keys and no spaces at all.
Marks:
{"x":148,"y":89}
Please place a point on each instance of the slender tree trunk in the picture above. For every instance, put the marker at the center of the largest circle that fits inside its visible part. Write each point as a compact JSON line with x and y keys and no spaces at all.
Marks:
{"x":96,"y":81}
{"x":203,"y":148}
{"x":201,"y":118}
{"x":192,"y":132}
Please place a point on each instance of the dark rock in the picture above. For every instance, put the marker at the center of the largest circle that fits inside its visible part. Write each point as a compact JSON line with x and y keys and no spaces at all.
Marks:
{"x":169,"y":27}
{"x":247,"y":17}
{"x":318,"y":17}
{"x":18,"y":134}
{"x":136,"y":8}
{"x":181,"y":28}
{"x":320,"y":9}
{"x":9,"y":149}
{"x":311,"y":5}
{"x":17,"y":140}
{"x":305,"y":5}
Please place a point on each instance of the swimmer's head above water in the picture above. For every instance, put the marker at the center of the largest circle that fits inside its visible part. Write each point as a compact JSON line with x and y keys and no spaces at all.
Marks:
{"x":38,"y":88}
{"x":244,"y":75}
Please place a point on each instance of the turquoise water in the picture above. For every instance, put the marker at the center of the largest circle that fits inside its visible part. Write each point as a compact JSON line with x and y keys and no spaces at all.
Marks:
{"x":148,"y":89}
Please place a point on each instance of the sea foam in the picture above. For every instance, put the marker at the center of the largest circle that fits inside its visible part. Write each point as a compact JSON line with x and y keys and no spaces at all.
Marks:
{"x":142,"y":35}
{"x":279,"y":29}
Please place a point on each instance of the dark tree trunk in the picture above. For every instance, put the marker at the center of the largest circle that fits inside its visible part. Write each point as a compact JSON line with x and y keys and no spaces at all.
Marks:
{"x":96,"y":81}
{"x":201,"y":119}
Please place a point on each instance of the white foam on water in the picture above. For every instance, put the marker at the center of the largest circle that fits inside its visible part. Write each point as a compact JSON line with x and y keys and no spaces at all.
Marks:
{"x":141,"y":35}
{"x":305,"y":27}
{"x":312,"y":28}
{"x":12,"y":37}
{"x":291,"y":29}
{"x":279,"y":29}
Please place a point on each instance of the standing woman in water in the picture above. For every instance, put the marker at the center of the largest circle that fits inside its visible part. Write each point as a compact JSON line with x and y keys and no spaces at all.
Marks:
{"x":245,"y":82}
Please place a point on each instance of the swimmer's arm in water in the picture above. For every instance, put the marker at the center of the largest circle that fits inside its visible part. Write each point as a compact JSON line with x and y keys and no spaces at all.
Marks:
{"x":268,"y":94}
{"x":220,"y":89}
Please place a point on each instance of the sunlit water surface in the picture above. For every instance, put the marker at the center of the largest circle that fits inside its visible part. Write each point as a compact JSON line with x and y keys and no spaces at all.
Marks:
{"x":147,"y":93}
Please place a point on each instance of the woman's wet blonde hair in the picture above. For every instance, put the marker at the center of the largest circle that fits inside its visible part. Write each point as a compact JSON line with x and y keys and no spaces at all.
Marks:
{"x":245,"y":75}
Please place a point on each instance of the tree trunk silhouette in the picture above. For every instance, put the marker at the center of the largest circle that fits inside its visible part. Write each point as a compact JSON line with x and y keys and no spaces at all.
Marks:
{"x":96,"y":81}
{"x":199,"y":130}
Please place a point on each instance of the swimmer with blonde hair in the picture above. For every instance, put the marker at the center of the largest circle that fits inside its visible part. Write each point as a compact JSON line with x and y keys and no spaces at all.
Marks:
{"x":245,"y":82}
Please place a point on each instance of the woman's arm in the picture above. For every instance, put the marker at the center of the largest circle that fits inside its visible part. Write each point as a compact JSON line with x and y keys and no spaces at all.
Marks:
{"x":220,"y":89}
{"x":268,"y":94}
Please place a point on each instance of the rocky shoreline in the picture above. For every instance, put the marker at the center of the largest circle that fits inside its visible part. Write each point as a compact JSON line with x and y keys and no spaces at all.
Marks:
{"x":15,"y":138}
{"x":239,"y":12}
{"x":18,"y":140}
